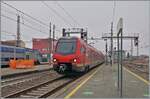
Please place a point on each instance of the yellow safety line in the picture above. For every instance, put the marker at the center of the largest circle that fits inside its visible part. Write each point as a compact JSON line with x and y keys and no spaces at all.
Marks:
{"x":142,"y":79}
{"x":80,"y":85}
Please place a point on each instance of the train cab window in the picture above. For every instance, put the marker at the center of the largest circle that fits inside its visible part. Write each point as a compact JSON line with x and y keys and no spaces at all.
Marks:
{"x":66,"y":46}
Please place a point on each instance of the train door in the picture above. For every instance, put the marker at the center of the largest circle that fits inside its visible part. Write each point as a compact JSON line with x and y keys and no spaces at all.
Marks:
{"x":27,"y":57}
{"x":83,"y":55}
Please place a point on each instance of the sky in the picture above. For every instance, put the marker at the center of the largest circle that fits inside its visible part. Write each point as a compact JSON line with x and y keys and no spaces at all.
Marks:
{"x":94,"y":15}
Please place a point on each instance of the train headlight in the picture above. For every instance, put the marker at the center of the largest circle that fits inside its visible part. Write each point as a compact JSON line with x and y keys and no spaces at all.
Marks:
{"x":54,"y":60}
{"x":74,"y":60}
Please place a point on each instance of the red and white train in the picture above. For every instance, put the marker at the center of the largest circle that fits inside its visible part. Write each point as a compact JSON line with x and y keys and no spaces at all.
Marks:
{"x":72,"y":54}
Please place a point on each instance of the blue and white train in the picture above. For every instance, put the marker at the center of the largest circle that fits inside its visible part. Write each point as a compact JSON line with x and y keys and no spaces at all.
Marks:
{"x":9,"y":52}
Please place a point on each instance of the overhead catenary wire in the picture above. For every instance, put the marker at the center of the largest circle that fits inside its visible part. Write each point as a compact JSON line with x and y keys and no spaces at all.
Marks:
{"x":24,"y":19}
{"x":12,"y":34}
{"x":40,"y":22}
{"x":8,"y":11}
{"x":50,"y":8}
{"x":7,"y":32}
{"x":29,"y":21}
{"x":26,"y":14}
{"x":142,"y":47}
{"x":67,"y":13}
{"x":23,"y":24}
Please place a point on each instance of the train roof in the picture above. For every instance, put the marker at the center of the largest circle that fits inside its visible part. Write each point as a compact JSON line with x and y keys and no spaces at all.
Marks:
{"x":9,"y":46}
{"x":72,"y":37}
{"x":88,"y":45}
{"x":21,"y":48}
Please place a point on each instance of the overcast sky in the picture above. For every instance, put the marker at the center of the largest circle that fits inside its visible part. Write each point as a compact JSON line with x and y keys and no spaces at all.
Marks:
{"x":94,"y":15}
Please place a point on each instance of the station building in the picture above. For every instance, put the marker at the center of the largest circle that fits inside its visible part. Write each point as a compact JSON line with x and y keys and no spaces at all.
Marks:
{"x":43,"y":46}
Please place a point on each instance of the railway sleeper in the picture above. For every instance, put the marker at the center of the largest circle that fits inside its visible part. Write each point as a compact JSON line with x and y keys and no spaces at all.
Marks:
{"x":35,"y":91}
{"x":35,"y":94}
{"x":26,"y":96}
{"x":45,"y":88}
{"x":40,"y":89}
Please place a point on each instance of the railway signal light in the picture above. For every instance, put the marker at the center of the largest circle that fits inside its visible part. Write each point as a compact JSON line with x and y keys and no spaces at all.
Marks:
{"x":82,"y":35}
{"x":63,"y":32}
{"x":136,"y":41}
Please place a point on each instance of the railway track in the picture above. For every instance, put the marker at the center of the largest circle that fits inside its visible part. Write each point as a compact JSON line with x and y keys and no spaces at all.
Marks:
{"x":139,"y":69}
{"x":17,"y":86}
{"x":44,"y":89}
{"x":38,"y":85}
{"x":22,"y":78}
{"x":41,"y":87}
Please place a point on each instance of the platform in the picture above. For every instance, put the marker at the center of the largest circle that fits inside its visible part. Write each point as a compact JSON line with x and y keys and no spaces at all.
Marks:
{"x":103,"y":84}
{"x":10,"y":71}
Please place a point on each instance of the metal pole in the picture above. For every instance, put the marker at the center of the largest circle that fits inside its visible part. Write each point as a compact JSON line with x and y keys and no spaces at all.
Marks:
{"x":111,"y":43}
{"x":137,"y":48}
{"x":121,"y":64}
{"x":118,"y":62}
{"x":106,"y":51}
{"x":50,"y":44}
{"x":63,"y":32}
{"x":131,"y":47}
{"x":53,"y":36}
{"x":15,"y":49}
{"x":18,"y":31}
{"x":86,"y":36}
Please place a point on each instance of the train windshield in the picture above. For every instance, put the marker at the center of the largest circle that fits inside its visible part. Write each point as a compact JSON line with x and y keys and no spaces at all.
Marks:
{"x":66,"y":46}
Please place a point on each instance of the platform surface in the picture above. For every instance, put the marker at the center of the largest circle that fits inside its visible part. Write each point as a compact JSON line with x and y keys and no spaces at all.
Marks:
{"x":10,"y":71}
{"x":103,"y":84}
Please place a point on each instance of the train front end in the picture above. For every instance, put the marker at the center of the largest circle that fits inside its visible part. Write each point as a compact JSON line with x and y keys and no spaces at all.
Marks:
{"x":65,"y":56}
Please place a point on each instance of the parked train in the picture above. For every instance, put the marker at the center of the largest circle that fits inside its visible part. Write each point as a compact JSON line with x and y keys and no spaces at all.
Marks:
{"x":9,"y":52}
{"x":72,"y":54}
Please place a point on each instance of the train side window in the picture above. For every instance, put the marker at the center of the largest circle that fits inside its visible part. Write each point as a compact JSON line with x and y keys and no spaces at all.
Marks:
{"x":5,"y":59}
